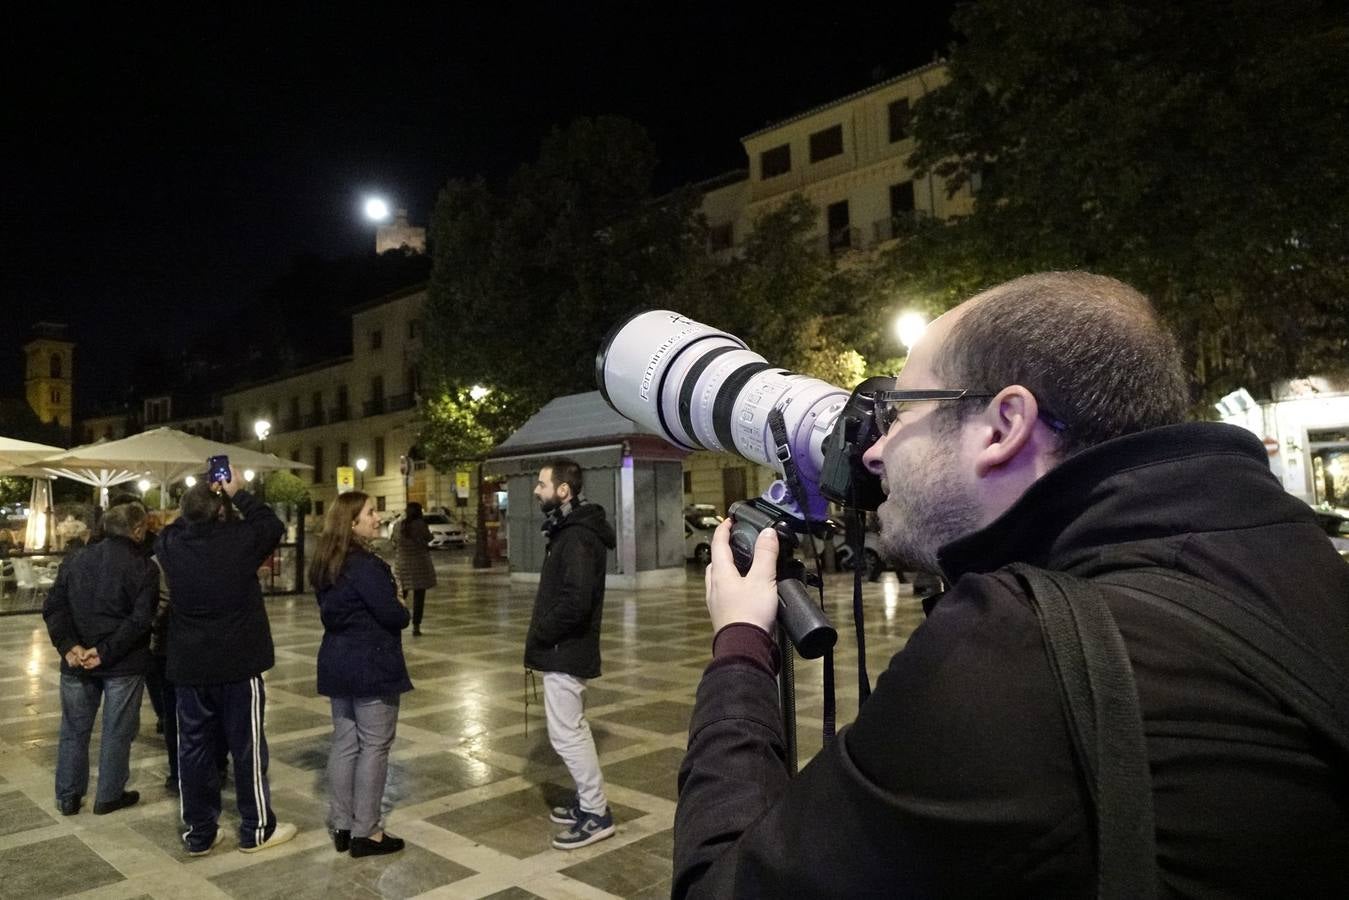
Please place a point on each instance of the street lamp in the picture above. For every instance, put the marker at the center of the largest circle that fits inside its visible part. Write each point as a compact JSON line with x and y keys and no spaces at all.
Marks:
{"x":249,"y":475}
{"x":361,"y":465}
{"x":909,"y":327}
{"x":190,"y":481}
{"x":477,"y":392}
{"x":144,"y":485}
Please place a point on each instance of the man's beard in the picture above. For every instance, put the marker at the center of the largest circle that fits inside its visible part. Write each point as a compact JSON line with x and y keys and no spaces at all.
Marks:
{"x":927,"y":508}
{"x":548,"y":506}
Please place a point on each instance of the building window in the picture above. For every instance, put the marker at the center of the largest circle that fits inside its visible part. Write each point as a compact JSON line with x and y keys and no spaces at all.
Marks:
{"x":343,"y":454}
{"x":688,"y":482}
{"x":318,"y":508}
{"x":318,"y":466}
{"x":721,"y":237}
{"x":775,"y":162}
{"x":840,"y":235}
{"x":414,"y":328}
{"x":56,"y":395}
{"x":380,"y":504}
{"x":294,"y":457}
{"x":827,"y":143}
{"x":379,"y":456}
{"x":979,"y":177}
{"x":56,"y":366}
{"x":316,"y":406}
{"x":377,"y":388}
{"x":901,"y":200}
{"x":899,"y":119}
{"x":376,"y":339}
{"x":414,"y":380}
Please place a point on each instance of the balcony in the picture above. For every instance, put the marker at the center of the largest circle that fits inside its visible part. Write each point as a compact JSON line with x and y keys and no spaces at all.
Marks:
{"x":895,"y":226}
{"x":401,"y":401}
{"x":339,"y":414}
{"x":374,"y":407}
{"x":313,"y":420}
{"x":290,"y":423}
{"x":841,"y":240}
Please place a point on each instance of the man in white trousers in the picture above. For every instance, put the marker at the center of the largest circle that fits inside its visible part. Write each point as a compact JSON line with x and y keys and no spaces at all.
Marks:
{"x":564,"y":641}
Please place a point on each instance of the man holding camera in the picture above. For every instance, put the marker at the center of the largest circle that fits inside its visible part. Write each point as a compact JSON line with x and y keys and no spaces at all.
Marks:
{"x":564,"y":641}
{"x":98,"y":616}
{"x":1039,"y":425}
{"x":219,"y":644}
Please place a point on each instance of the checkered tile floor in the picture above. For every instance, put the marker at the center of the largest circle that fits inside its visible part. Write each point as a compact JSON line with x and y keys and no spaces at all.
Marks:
{"x":471,"y":776}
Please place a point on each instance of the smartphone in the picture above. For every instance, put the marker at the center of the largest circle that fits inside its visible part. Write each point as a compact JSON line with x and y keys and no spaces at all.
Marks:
{"x":218,"y":469}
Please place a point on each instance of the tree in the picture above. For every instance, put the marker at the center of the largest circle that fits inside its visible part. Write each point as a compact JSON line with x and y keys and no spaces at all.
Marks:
{"x":15,"y":490}
{"x":1197,"y":150}
{"x":791,"y":301}
{"x":526,"y":282}
{"x":287,"y":489}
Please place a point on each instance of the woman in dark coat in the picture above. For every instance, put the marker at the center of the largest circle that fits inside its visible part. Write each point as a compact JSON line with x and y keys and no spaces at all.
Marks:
{"x":415,"y":572}
{"x":360,"y":668}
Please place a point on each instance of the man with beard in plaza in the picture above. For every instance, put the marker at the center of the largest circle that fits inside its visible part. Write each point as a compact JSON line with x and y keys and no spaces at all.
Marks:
{"x":1039,"y":426}
{"x":564,"y":641}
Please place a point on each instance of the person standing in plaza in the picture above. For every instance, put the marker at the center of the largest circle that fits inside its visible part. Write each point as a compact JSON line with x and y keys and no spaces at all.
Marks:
{"x":219,"y":644}
{"x":564,"y":641}
{"x":416,"y":573}
{"x":98,"y":617}
{"x":360,"y":668}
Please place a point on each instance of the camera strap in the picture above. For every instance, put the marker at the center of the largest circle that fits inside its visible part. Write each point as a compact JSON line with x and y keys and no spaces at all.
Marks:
{"x":858,"y":527}
{"x":792,"y":474}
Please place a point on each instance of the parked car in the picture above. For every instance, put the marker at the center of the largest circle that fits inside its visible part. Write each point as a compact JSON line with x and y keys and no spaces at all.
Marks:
{"x":445,"y":532}
{"x":700,"y":521}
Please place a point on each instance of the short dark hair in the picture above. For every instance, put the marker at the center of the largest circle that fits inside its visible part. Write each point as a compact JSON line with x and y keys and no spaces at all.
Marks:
{"x":1090,"y":348}
{"x":566,"y":471}
{"x":201,"y":504}
{"x":123,"y":519}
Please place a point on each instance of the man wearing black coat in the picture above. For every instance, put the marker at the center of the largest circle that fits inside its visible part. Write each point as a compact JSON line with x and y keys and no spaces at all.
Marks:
{"x":1040,"y":425}
{"x":219,"y":644}
{"x":564,"y":641}
{"x":98,"y":617}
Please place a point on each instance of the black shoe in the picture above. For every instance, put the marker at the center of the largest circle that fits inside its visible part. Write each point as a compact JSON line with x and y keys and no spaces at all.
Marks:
{"x":128,"y":798}
{"x":416,"y":631}
{"x":159,"y":726}
{"x":367,"y":847}
{"x":341,"y":839}
{"x":70,"y":806}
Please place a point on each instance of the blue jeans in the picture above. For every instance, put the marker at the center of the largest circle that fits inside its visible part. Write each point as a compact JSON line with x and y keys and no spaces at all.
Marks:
{"x":80,"y":696}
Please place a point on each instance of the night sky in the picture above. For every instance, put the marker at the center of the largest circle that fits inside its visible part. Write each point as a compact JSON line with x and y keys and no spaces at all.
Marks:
{"x":160,"y":172}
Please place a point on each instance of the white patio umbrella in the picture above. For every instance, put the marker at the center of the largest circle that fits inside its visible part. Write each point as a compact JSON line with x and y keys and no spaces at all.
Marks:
{"x":163,"y":454}
{"x":15,"y":453}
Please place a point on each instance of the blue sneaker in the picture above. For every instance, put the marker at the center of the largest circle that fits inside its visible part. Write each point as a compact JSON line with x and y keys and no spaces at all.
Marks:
{"x":588,"y":828}
{"x":565,"y":815}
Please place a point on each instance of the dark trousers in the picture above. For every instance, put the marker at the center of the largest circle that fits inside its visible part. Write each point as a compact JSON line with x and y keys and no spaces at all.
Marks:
{"x":418,"y":605}
{"x":206,"y":713}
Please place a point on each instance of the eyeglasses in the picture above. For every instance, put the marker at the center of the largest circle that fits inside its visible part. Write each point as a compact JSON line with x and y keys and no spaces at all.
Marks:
{"x":889,"y":404}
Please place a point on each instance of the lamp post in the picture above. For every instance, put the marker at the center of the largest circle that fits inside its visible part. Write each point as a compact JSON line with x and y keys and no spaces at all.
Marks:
{"x":262,"y":428}
{"x":361,"y":464}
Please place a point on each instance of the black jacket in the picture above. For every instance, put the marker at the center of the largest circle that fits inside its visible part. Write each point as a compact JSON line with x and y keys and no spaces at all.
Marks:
{"x":564,"y":634}
{"x":362,"y":650}
{"x":957,"y":778}
{"x":218,"y":630}
{"x":103,"y":599}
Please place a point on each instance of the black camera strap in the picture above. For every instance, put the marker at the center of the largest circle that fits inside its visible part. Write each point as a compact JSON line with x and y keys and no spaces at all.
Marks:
{"x":792,"y":474}
{"x":856,"y":524}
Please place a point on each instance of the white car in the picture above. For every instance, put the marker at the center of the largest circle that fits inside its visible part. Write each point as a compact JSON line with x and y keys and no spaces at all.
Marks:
{"x":445,"y":532}
{"x":698,"y":528}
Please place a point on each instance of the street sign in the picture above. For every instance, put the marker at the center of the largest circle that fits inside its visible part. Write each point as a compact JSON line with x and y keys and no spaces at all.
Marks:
{"x":346,"y":479}
{"x":461,"y":483}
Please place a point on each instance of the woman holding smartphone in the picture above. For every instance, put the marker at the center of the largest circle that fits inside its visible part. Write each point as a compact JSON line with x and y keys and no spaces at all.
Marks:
{"x":360,"y":668}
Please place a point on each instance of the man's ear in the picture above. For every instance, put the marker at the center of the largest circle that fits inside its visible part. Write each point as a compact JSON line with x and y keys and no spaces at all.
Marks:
{"x":1009,"y":424}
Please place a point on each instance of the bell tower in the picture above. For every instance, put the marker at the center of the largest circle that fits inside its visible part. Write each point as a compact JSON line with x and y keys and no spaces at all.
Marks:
{"x":48,"y":373}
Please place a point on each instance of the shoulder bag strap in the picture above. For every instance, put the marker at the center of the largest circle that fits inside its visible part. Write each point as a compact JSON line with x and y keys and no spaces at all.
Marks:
{"x":1089,"y":660}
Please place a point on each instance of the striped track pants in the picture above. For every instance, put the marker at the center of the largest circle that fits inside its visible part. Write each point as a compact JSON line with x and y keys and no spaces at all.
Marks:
{"x":206,"y":713}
